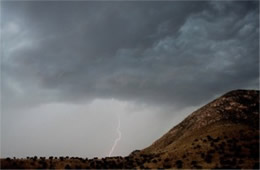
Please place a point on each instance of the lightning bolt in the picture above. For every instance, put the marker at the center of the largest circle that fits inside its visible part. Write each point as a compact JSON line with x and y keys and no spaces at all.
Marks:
{"x":118,"y":138}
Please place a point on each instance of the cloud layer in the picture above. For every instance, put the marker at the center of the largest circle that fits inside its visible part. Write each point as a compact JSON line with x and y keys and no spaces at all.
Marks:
{"x":180,"y":53}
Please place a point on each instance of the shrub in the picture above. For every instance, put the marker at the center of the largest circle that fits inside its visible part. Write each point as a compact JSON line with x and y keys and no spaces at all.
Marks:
{"x":67,"y":167}
{"x":179,"y":164}
{"x":154,"y":160}
{"x":78,"y":167}
{"x":35,"y":158}
{"x":166,"y":160}
{"x":51,"y":166}
{"x":256,"y":165}
{"x":198,"y":167}
{"x":42,"y":158}
{"x":208,"y":158}
{"x":92,"y":164}
{"x":194,"y":162}
{"x":44,"y":165}
{"x":217,"y":139}
{"x":167,"y":166}
{"x":14,"y":164}
{"x":211,"y":151}
{"x":241,"y":161}
{"x":209,"y":138}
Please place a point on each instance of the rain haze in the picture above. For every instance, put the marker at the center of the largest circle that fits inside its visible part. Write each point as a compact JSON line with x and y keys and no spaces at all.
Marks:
{"x":70,"y":69}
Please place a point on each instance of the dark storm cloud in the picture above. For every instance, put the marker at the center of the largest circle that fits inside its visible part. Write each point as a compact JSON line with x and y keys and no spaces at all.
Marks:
{"x":178,"y":53}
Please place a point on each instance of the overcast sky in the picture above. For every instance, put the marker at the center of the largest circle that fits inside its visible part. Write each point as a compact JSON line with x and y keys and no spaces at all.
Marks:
{"x":68,"y":69}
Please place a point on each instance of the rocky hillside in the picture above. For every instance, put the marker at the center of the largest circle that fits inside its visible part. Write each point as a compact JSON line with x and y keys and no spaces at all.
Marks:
{"x":222,"y":134}
{"x":240,"y":107}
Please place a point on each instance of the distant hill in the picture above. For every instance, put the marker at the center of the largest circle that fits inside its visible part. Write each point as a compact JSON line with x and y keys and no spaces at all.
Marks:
{"x":221,"y":134}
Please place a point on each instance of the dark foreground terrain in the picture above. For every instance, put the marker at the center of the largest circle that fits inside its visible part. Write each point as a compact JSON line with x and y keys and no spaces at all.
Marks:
{"x":222,"y":134}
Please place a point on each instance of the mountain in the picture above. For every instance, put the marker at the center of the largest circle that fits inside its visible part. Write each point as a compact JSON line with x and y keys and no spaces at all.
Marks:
{"x":221,"y":134}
